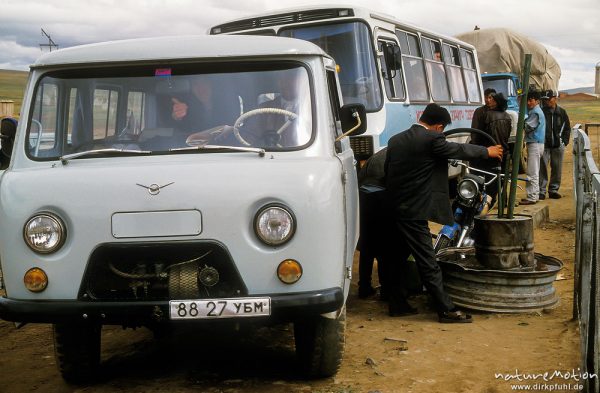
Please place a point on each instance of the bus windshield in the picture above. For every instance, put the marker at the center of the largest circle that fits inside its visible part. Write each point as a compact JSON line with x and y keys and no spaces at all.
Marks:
{"x":349,"y":44}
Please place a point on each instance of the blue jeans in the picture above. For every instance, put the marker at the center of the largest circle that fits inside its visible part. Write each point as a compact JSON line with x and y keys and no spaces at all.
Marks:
{"x":534,"y":156}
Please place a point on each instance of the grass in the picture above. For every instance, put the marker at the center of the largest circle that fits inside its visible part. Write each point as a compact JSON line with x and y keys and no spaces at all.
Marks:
{"x":582,"y":111}
{"x":12,"y":87}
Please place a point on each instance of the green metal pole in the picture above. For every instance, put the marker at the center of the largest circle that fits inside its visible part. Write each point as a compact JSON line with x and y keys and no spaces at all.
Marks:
{"x":502,"y":185}
{"x":516,"y":160}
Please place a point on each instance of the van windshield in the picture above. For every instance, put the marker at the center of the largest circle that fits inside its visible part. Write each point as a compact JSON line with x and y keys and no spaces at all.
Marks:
{"x":163,"y":110}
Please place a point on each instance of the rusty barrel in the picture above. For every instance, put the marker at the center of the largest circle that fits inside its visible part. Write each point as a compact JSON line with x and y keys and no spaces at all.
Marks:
{"x":502,"y":243}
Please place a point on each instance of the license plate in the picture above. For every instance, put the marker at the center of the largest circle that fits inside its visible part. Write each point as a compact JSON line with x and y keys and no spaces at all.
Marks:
{"x":220,"y":308}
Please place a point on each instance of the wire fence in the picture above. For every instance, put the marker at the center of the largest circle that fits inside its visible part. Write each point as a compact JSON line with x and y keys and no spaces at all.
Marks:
{"x":586,"y":299}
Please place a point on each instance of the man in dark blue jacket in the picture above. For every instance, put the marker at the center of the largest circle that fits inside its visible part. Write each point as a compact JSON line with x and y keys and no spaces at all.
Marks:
{"x":558,"y":132}
{"x":416,"y":169}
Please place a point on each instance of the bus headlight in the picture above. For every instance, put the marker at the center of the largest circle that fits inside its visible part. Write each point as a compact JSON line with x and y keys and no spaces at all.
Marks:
{"x":274,"y":225}
{"x":44,"y":233}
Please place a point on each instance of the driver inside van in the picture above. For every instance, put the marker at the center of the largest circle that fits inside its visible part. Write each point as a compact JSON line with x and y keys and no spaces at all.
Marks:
{"x":288,"y":127}
{"x":208,"y":103}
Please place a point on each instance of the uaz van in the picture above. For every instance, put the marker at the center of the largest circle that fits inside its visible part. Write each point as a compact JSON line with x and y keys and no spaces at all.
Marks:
{"x":177,"y":180}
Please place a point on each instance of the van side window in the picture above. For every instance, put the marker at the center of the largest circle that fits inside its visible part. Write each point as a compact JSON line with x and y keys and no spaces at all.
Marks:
{"x":455,"y":77}
{"x":412,"y":62}
{"x":105,"y":112}
{"x":470,"y":72}
{"x":42,"y":134}
{"x":334,"y":100}
{"x":72,"y":114}
{"x":392,"y":79}
{"x":436,"y":71}
{"x":135,"y":113}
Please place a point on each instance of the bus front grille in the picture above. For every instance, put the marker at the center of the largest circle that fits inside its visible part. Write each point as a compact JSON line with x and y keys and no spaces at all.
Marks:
{"x":362,"y":146}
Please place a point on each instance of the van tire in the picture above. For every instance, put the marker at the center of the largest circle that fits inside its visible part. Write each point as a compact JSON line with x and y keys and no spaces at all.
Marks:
{"x":320,"y":345}
{"x":77,"y":351}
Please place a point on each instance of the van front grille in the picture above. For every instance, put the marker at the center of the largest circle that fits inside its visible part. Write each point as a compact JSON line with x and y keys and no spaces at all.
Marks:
{"x":161,"y":271}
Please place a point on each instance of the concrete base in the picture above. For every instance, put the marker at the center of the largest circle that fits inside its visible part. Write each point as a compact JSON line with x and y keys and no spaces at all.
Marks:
{"x":540,"y":212}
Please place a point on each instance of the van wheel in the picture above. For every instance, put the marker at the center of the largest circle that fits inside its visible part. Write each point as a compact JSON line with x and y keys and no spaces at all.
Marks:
{"x":320,"y":345}
{"x":77,"y":351}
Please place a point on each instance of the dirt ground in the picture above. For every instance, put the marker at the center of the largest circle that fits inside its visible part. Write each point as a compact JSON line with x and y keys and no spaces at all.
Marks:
{"x":438,"y":357}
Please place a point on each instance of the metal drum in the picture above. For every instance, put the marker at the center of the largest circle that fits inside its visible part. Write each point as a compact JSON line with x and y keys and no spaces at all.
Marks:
{"x":477,"y":287}
{"x":502,"y":243}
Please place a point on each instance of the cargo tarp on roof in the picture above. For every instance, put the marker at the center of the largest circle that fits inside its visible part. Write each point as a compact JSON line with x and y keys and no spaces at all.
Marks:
{"x":503,"y":50}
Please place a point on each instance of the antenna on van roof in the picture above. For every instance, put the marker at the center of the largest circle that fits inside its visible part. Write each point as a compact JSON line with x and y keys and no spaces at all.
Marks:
{"x":51,"y":44}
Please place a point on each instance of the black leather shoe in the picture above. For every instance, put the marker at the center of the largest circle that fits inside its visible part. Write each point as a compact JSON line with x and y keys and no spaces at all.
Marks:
{"x":366,"y":292}
{"x":527,"y":202}
{"x":554,"y":195}
{"x":542,"y":197}
{"x":401,"y":310}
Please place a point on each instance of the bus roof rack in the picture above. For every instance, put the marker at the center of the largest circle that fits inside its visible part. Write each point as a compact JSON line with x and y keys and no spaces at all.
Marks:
{"x":282,"y":19}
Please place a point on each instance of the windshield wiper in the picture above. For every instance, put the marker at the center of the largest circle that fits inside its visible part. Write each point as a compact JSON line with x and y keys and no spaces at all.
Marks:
{"x":261,"y":152}
{"x":64,"y":159}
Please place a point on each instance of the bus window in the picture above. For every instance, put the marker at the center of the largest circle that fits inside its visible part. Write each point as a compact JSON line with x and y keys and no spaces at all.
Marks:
{"x":432,"y":52}
{"x":392,"y":78}
{"x":403,"y":39}
{"x":412,"y":63}
{"x":455,"y":78}
{"x":470,"y":71}
{"x":349,"y":44}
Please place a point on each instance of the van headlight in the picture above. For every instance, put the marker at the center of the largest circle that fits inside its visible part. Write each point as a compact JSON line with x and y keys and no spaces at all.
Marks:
{"x":274,"y":225}
{"x":44,"y":233}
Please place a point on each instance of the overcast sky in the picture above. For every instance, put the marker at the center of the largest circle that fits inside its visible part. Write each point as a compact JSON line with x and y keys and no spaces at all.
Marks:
{"x":568,"y":28}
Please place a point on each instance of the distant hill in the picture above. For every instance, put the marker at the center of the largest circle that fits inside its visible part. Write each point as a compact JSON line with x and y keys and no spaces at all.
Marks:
{"x":579,"y":90}
{"x":12,"y":86}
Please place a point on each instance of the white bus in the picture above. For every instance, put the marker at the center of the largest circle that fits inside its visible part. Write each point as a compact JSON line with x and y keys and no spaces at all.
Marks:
{"x":394,"y":69}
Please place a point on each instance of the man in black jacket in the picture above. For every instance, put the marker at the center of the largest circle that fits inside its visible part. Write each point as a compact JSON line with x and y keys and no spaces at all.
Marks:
{"x":558,"y":132}
{"x":416,"y":170}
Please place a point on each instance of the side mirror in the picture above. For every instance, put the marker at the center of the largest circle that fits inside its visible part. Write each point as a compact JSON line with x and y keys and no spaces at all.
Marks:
{"x":8,"y":130}
{"x":393,"y":57}
{"x":354,"y":119}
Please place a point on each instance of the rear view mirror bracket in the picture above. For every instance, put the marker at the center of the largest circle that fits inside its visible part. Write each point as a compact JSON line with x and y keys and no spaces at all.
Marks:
{"x":354,"y":120}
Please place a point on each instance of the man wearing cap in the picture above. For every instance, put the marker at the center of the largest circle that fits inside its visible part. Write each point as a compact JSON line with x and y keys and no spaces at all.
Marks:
{"x":558,"y":132}
{"x":416,"y":178}
{"x":535,"y":130}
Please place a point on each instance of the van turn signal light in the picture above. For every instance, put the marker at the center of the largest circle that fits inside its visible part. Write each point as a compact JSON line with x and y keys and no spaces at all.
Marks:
{"x":289,"y":271}
{"x":35,"y":280}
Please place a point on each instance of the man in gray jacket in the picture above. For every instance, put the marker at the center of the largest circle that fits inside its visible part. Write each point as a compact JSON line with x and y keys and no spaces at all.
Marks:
{"x":558,"y":132}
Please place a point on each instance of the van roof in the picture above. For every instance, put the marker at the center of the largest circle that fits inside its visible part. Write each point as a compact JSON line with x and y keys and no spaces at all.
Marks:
{"x":177,"y":48}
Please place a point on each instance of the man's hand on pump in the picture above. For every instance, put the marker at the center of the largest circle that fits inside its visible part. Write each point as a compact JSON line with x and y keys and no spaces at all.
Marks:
{"x":495,"y":152}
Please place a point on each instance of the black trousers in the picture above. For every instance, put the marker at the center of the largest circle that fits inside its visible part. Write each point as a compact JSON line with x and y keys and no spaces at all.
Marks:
{"x":375,"y":234}
{"x":416,"y":240}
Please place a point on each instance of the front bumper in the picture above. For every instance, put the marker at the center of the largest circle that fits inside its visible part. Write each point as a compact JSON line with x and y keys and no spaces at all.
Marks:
{"x":284,"y":307}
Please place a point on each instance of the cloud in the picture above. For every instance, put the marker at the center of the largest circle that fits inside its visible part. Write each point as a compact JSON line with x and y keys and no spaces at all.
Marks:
{"x":558,"y":24}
